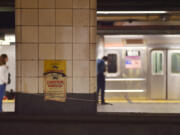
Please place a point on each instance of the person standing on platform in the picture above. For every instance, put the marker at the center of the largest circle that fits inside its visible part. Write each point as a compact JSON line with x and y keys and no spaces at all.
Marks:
{"x":3,"y":77}
{"x":101,"y":69}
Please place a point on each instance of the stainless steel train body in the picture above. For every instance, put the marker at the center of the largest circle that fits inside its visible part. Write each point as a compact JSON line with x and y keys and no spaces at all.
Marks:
{"x":141,"y":66}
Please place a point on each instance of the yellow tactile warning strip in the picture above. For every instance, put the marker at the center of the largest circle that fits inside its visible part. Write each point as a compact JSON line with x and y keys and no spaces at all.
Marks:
{"x":143,"y":101}
{"x":8,"y":101}
{"x":124,"y":101}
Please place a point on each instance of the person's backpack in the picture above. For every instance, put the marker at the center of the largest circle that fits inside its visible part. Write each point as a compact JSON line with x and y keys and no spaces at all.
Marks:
{"x":9,"y":78}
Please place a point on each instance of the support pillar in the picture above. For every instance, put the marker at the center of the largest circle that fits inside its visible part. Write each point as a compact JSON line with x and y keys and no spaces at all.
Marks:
{"x":55,"y":30}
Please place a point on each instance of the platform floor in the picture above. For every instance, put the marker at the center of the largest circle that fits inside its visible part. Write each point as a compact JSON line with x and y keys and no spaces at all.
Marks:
{"x":141,"y":106}
{"x":124,"y":106}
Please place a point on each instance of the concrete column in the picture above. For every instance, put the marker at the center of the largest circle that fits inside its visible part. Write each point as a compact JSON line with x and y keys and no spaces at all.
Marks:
{"x":56,"y":30}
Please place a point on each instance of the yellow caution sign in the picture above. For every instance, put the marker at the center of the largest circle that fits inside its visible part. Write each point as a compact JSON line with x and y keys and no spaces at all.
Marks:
{"x":55,"y":66}
{"x":55,"y":87}
{"x":55,"y":80}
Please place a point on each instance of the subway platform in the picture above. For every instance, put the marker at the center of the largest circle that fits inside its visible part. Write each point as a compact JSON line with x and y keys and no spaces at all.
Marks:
{"x":140,"y":106}
{"x":125,"y":106}
{"x":135,"y":121}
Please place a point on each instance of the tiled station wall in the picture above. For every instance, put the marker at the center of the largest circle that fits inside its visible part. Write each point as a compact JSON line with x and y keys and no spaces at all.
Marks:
{"x":56,"y":30}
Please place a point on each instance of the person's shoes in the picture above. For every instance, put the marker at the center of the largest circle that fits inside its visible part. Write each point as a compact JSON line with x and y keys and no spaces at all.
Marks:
{"x":104,"y":103}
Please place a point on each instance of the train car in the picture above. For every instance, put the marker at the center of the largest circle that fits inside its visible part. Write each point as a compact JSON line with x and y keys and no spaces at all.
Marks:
{"x":141,"y":66}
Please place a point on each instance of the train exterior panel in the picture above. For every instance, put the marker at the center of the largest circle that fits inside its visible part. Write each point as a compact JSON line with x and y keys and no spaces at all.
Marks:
{"x":141,"y":66}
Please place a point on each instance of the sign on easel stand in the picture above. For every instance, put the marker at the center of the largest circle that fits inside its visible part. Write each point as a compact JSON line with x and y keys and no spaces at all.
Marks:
{"x":55,"y":80}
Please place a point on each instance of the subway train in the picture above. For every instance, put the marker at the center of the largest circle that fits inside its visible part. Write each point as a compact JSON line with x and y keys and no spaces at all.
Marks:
{"x":141,"y":66}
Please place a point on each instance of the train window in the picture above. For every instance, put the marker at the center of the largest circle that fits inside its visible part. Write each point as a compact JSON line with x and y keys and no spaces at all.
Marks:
{"x":157,"y":62}
{"x":175,"y":63}
{"x":112,"y":63}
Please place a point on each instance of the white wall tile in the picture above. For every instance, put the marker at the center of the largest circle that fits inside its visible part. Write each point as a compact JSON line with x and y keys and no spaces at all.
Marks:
{"x":18,"y":84}
{"x":47,"y":17}
{"x":81,"y":34}
{"x":93,"y":35}
{"x":41,"y":68}
{"x":93,"y":85}
{"x":29,"y":17}
{"x":29,"y":51}
{"x":81,"y":4}
{"x":64,"y":51}
{"x":18,"y":68}
{"x":80,"y":68}
{"x":81,"y":17}
{"x":18,"y":34}
{"x":46,"y":34}
{"x":18,"y":17}
{"x":64,"y":3}
{"x":80,"y":85}
{"x":29,"y":3}
{"x":41,"y":85}
{"x":69,"y":85}
{"x":29,"y":68}
{"x":92,"y":52}
{"x":30,"y":34}
{"x":46,"y":3}
{"x":81,"y":52}
{"x":93,"y":16}
{"x":69,"y":68}
{"x":93,"y":4}
{"x":18,"y":51}
{"x":46,"y":51}
{"x":64,"y":34}
{"x":30,"y":85}
{"x":93,"y":68}
{"x":17,"y":3}
{"x":64,"y":17}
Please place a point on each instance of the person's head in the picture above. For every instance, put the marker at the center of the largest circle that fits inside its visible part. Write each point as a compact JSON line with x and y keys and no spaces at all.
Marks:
{"x":105,"y":58}
{"x":3,"y":59}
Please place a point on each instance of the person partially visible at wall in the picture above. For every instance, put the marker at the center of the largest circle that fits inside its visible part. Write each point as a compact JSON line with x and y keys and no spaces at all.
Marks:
{"x":101,"y":69}
{"x":3,"y":77}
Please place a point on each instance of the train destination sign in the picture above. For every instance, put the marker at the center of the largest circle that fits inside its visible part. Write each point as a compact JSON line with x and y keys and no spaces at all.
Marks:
{"x":55,"y":80}
{"x":133,"y":59}
{"x":132,"y":53}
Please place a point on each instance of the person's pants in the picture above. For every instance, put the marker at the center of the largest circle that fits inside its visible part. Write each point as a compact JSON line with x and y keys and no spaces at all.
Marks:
{"x":2,"y":94}
{"x":100,"y":85}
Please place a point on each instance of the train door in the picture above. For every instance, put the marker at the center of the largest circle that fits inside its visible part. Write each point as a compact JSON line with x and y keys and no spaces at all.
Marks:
{"x":165,"y":74}
{"x":173,"y":74}
{"x":158,"y":74}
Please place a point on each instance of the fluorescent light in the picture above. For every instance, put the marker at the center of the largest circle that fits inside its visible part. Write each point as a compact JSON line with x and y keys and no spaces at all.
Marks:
{"x":132,"y":12}
{"x":124,"y":36}
{"x":123,"y":91}
{"x":139,"y":36}
{"x":4,"y":43}
{"x":125,"y":79}
{"x":120,"y":48}
{"x":10,"y":38}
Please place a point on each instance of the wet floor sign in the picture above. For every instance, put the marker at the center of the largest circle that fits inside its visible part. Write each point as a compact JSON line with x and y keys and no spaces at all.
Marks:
{"x":55,"y":80}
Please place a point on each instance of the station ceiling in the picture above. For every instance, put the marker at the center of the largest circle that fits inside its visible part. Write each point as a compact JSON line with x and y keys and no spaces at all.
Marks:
{"x":138,"y":4}
{"x":107,"y":22}
{"x":123,"y":4}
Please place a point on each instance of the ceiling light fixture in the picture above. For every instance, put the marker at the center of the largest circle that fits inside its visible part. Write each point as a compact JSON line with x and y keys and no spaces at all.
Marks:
{"x":131,"y":12}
